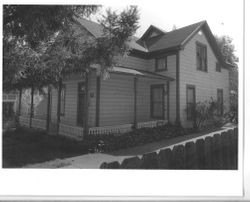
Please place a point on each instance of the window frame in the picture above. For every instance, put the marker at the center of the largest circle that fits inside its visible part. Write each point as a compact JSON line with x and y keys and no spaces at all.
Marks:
{"x":220,"y":111}
{"x":203,"y":46}
{"x":152,"y":88}
{"x":63,"y":100}
{"x":189,"y":86}
{"x":218,"y":67}
{"x":166,"y":63}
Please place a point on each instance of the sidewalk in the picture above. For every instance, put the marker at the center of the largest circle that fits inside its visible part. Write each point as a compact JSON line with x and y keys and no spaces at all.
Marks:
{"x":96,"y":159}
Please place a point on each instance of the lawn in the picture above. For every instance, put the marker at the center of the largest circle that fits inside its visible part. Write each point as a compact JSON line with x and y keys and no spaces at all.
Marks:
{"x":25,"y":146}
{"x":22,"y":147}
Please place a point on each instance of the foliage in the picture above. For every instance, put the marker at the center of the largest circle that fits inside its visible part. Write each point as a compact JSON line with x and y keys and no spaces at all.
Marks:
{"x":231,"y":117}
{"x":228,"y":52}
{"x":227,"y":49}
{"x":38,"y":23}
{"x":58,"y":47}
{"x":111,"y":142}
{"x":204,"y":113}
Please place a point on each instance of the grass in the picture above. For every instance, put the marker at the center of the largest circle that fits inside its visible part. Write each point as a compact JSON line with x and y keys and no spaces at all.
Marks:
{"x":22,"y":147}
{"x":25,"y":146}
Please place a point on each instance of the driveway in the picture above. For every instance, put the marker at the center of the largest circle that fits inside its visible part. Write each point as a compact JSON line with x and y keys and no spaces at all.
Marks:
{"x":96,"y":159}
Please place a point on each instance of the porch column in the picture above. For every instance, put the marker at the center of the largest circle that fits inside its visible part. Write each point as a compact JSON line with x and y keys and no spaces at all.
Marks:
{"x":59,"y":106}
{"x":86,"y":107}
{"x":135,"y":101}
{"x":48,"y":109}
{"x":178,"y":120}
{"x":167,"y":83}
{"x":98,"y":95}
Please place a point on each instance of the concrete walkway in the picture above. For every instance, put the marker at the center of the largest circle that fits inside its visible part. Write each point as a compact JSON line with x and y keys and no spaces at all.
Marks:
{"x":96,"y":159}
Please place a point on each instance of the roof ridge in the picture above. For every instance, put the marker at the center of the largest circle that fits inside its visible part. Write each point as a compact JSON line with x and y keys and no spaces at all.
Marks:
{"x":198,"y":23}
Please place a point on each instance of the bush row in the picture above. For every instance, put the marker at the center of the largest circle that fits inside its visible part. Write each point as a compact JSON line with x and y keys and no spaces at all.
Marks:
{"x":111,"y":142}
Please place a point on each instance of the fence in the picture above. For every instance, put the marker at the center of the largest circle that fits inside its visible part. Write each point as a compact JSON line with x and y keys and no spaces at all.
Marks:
{"x":219,"y":151}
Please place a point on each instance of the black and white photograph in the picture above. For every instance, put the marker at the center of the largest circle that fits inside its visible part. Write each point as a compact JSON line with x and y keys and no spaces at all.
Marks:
{"x":133,"y":87}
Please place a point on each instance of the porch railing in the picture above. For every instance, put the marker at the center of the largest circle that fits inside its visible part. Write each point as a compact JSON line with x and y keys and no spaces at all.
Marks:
{"x":76,"y":132}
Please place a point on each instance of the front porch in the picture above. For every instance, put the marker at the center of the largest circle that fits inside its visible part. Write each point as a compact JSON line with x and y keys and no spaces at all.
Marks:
{"x":129,"y":99}
{"x":77,"y":132}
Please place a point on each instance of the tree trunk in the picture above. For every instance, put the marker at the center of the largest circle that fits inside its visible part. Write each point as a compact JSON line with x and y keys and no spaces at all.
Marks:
{"x":31,"y":105}
{"x":19,"y":106}
{"x":59,"y":106}
{"x":48,"y":109}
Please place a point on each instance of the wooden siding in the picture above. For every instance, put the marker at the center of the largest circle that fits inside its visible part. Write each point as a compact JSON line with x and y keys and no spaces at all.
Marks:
{"x":134,"y":62}
{"x":206,"y":83}
{"x":117,"y":100}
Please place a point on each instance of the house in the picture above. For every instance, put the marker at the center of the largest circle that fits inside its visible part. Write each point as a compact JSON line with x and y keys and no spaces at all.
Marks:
{"x":158,"y":82}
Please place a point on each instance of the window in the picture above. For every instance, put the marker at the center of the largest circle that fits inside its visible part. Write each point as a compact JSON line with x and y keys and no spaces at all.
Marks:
{"x":220,"y":102}
{"x":190,"y":102}
{"x":63,"y":100}
{"x":218,"y":67}
{"x":157,"y":101}
{"x":201,"y":57}
{"x":161,"y":64}
{"x":80,"y":103}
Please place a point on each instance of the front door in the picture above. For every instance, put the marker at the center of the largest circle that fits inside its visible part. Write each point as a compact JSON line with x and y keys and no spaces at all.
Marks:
{"x":80,"y":103}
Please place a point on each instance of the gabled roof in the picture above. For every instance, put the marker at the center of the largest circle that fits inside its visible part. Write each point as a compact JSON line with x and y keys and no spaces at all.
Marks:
{"x":150,"y":30}
{"x":173,"y":40}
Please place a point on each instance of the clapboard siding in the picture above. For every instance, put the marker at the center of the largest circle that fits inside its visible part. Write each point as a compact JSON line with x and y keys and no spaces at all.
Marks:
{"x":206,"y":83}
{"x":117,"y":99}
{"x":134,"y":62}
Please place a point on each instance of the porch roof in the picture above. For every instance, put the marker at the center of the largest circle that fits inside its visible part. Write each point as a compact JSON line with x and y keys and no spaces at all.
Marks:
{"x":143,"y":73}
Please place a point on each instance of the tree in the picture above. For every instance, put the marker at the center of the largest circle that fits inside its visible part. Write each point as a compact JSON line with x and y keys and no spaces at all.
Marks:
{"x":228,"y":52}
{"x":38,"y":23}
{"x":227,"y":49}
{"x":33,"y":26}
{"x":75,"y":51}
{"x":61,"y":47}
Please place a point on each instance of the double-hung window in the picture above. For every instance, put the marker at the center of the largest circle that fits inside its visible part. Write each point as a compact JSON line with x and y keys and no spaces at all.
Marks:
{"x":63,"y":92}
{"x":157,"y":101}
{"x":220,"y":101}
{"x":201,"y":57}
{"x":190,"y":102}
{"x":161,"y":64}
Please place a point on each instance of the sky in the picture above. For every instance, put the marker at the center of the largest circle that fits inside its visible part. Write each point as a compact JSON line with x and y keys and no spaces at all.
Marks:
{"x":224,"y":17}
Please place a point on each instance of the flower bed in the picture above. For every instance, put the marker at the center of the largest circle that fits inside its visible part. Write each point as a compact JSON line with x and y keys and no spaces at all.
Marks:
{"x":111,"y":142}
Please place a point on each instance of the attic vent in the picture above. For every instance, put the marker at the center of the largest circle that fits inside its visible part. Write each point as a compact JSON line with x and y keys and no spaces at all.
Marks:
{"x":200,"y":32}
{"x":153,"y":34}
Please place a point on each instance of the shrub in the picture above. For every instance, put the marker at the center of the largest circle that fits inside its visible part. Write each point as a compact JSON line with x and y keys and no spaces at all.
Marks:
{"x":205,"y":113}
{"x":111,"y":142}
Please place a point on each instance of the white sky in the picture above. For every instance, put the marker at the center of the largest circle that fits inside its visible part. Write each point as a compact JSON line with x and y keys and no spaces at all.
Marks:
{"x":224,"y":17}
